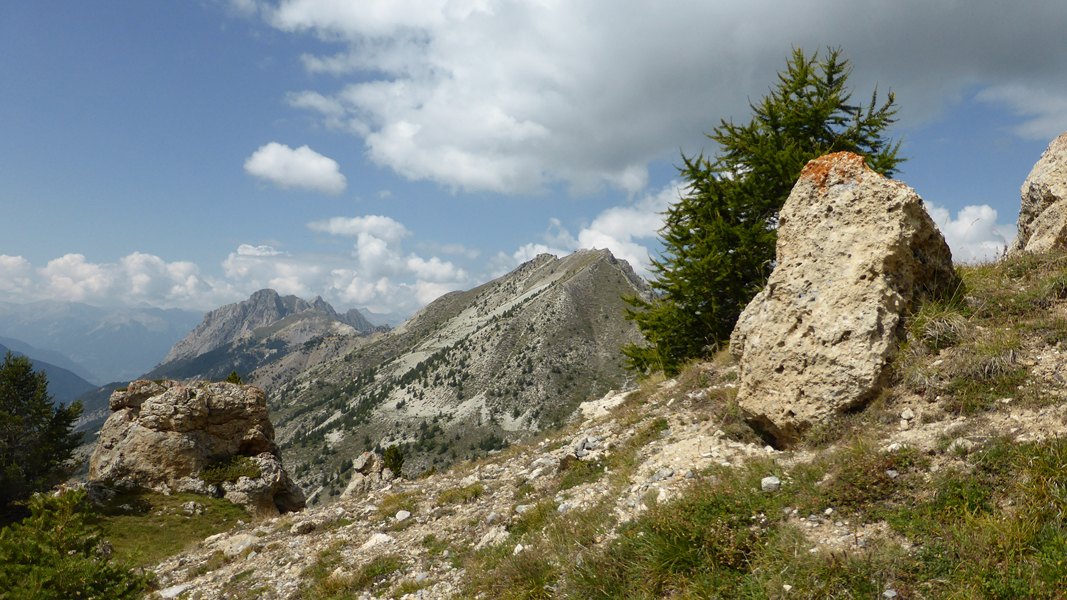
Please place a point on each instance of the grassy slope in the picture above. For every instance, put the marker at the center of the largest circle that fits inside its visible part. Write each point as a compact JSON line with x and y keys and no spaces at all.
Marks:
{"x":985,"y":522}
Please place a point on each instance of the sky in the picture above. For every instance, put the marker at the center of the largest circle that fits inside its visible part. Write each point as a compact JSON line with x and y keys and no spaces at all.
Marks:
{"x":380,"y":153}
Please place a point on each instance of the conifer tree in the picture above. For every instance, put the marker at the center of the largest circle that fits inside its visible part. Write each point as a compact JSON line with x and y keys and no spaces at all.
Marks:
{"x":719,"y":238}
{"x":36,"y":436}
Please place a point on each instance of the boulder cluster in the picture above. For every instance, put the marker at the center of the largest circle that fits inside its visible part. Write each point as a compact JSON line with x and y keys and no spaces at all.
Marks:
{"x":163,"y":435}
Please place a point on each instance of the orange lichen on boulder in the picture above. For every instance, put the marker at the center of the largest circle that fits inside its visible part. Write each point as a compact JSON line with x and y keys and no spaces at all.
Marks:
{"x":839,"y":167}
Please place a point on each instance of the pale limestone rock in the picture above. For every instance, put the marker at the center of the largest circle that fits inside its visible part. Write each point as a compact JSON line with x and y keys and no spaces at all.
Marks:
{"x":855,"y":252}
{"x":270,"y":493}
{"x":160,"y":435}
{"x":1043,"y":213}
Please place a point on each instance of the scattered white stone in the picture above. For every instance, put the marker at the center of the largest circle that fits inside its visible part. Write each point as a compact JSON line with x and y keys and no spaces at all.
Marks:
{"x":518,"y":549}
{"x":237,"y":544}
{"x":524,"y":508}
{"x":193,"y":508}
{"x":174,"y":591}
{"x":960,"y":446}
{"x":770,"y":484}
{"x":303,"y":527}
{"x":376,"y":540}
{"x":402,"y":515}
{"x":496,"y":535}
{"x":787,"y":588}
{"x":889,"y":593}
{"x":907,"y":414}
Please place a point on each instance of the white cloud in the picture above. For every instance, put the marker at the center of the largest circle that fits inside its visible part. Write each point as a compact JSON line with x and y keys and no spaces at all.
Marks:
{"x":262,"y":250}
{"x":974,"y":235}
{"x":514,"y":96}
{"x":296,"y":168}
{"x":375,"y":225}
{"x":134,"y":279}
{"x":630,"y":231}
{"x":16,"y":275}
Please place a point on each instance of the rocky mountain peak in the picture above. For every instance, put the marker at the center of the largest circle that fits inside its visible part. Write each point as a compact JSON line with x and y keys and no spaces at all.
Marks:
{"x":467,"y":374}
{"x":239,"y":321}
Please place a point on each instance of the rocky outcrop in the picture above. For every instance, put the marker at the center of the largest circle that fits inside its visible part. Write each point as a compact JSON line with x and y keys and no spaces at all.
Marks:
{"x":1043,"y":213}
{"x":368,"y":472}
{"x":855,"y":251}
{"x":163,"y":435}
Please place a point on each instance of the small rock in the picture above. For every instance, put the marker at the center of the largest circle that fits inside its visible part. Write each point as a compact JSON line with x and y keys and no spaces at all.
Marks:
{"x":907,"y":414}
{"x":892,"y":473}
{"x":302,"y":527}
{"x":786,"y":588}
{"x":496,"y":535}
{"x":960,"y":446}
{"x":376,"y":540}
{"x":663,"y":473}
{"x":193,"y":508}
{"x":889,"y":593}
{"x":581,"y":444}
{"x":174,"y":591}
{"x":770,"y":484}
{"x":828,"y":512}
{"x":237,"y":544}
{"x":518,"y":548}
{"x":524,"y":508}
{"x":492,"y":518}
{"x":402,"y":515}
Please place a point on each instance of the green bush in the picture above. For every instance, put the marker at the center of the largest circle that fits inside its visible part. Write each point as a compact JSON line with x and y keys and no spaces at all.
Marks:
{"x":53,"y":553}
{"x":393,"y":459}
{"x":230,"y":470}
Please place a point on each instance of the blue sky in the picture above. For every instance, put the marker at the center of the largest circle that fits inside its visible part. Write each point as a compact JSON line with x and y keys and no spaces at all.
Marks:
{"x":379,"y":153}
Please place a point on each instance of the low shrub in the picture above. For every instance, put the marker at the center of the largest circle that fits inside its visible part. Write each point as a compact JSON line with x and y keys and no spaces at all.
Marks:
{"x":55,"y":553}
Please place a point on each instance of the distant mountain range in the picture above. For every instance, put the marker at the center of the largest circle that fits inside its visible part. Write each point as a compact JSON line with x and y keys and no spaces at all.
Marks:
{"x":259,"y":336}
{"x":64,"y":385}
{"x":100,"y":344}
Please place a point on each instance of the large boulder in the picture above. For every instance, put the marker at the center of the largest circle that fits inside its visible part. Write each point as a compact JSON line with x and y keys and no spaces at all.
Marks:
{"x":1043,"y":213}
{"x":162,"y":435}
{"x":855,"y":252}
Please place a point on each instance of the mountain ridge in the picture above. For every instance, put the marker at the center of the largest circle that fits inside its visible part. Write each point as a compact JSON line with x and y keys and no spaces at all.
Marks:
{"x":470,"y":372}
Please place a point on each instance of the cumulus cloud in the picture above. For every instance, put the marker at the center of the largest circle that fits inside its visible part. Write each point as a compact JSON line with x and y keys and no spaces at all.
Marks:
{"x":974,"y":234}
{"x":630,"y":231}
{"x":514,"y":96}
{"x":386,"y":278}
{"x":133,"y":279}
{"x":301,"y":168}
{"x":16,"y":275}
